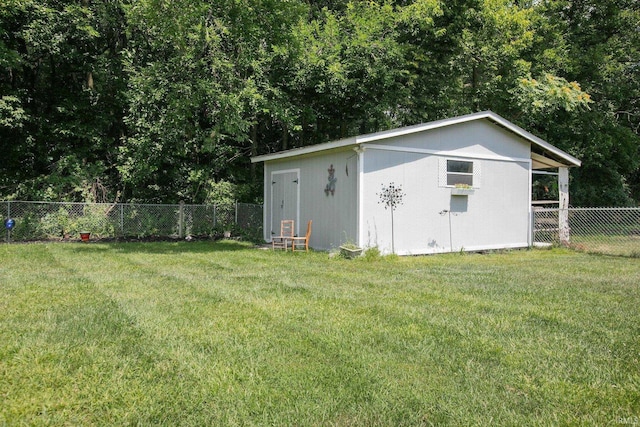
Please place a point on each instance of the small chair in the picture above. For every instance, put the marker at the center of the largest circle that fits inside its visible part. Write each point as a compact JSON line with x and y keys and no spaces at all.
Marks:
{"x":302,"y":241}
{"x":286,"y":234}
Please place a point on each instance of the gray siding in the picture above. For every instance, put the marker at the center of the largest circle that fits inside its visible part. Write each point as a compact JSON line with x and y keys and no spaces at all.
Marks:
{"x":431,"y":219}
{"x":334,"y":215}
{"x":479,"y":138}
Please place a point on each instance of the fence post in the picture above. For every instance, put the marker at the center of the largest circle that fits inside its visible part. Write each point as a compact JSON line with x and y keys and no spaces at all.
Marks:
{"x":121,"y":219}
{"x":8,"y":216}
{"x":532,"y":227}
{"x":236,"y":216}
{"x":181,"y":220}
{"x":563,"y":211}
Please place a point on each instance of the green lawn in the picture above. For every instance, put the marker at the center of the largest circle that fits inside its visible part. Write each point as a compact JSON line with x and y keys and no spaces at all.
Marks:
{"x":223,"y":334}
{"x":611,"y":244}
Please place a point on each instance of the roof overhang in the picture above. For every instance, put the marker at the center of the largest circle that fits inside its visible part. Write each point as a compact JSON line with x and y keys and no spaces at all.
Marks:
{"x":539,"y":161}
{"x":543,"y":154}
{"x":327,"y":146}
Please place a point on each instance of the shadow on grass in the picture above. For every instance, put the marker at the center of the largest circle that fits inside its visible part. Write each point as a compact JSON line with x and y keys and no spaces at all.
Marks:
{"x":165,"y":247}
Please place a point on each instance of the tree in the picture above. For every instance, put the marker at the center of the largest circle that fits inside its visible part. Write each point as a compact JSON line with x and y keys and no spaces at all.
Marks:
{"x":201,"y":85}
{"x":60,"y":97}
{"x":596,"y":42}
{"x":157,"y":101}
{"x":350,"y":77}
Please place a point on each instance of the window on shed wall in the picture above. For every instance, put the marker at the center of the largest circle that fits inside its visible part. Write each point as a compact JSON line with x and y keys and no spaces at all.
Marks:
{"x":459,"y":172}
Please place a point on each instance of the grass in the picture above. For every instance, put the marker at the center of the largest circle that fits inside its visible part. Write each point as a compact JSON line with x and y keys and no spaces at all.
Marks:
{"x":224,"y":334}
{"x":626,"y":245}
{"x":612,"y":244}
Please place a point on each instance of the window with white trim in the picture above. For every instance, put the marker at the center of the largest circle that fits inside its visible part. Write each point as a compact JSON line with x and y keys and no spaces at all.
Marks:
{"x":459,"y":172}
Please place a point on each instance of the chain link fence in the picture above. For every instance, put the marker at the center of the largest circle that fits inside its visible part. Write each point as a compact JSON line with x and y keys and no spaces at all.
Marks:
{"x":61,"y":221}
{"x":613,"y":231}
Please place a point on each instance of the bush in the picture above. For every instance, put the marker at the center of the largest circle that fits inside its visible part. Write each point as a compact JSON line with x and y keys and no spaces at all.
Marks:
{"x":372,"y":254}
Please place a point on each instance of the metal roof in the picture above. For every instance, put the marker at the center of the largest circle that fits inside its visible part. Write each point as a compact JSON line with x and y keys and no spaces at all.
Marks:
{"x":546,"y":155}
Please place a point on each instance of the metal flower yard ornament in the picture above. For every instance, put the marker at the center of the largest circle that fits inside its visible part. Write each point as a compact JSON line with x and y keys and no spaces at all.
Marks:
{"x":391,"y":197}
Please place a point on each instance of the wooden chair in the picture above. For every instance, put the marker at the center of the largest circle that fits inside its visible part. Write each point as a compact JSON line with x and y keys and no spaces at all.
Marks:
{"x":302,"y":241}
{"x":286,"y":235}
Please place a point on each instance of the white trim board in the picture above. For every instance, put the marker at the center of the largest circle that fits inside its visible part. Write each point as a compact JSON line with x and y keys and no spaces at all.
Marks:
{"x":445,"y":250}
{"x":360,"y":191}
{"x":444,"y":153}
{"x":265,"y":192}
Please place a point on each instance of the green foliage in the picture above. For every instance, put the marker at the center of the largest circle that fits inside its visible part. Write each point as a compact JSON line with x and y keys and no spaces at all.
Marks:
{"x":55,"y":224}
{"x":550,"y":94}
{"x":353,"y":63}
{"x":144,"y":221}
{"x":238,"y":232}
{"x":60,"y":98}
{"x":599,"y":48}
{"x":12,"y":115}
{"x":28,"y":227}
{"x":371,"y":254}
{"x":64,"y":223}
{"x":222,"y":194}
{"x":154,"y":100}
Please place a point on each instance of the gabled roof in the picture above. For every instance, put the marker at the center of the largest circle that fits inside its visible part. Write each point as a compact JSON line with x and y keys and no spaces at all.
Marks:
{"x":544,"y":155}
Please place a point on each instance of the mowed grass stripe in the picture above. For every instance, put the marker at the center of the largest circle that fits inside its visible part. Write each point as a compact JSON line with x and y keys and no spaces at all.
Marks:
{"x":92,"y":335}
{"x":177,"y":295}
{"x":201,"y":333}
{"x":302,"y":354}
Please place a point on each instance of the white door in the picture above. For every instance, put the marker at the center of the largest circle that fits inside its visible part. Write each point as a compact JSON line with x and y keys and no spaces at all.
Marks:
{"x":285,"y":192}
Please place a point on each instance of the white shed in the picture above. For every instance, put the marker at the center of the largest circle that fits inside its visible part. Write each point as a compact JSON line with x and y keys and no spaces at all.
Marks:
{"x":466,"y":184}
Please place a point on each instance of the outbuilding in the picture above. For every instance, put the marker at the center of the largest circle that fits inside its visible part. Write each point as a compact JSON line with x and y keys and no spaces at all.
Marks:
{"x":462,"y":183}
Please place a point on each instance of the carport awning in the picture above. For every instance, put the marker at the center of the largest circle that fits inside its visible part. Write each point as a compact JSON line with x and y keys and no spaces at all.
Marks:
{"x":539,"y":161}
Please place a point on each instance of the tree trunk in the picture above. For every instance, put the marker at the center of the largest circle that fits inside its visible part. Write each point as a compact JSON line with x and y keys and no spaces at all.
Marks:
{"x":90,"y":80}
